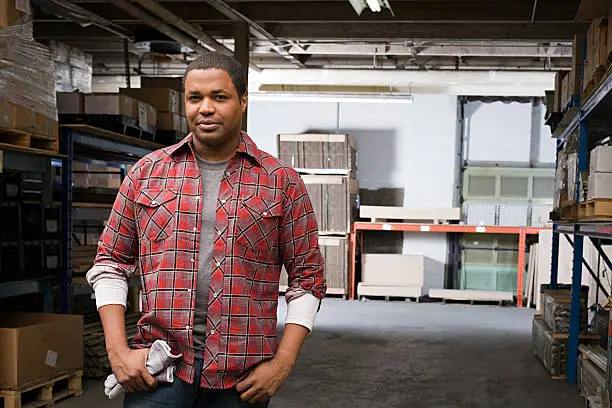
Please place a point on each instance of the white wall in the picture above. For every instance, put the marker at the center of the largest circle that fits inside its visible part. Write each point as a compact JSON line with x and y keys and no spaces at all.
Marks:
{"x":501,"y":132}
{"x":408,"y":146}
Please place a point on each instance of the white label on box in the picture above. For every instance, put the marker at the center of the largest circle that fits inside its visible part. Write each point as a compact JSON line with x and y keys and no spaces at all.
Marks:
{"x":386,"y":227}
{"x":142,"y":115}
{"x":425,"y":228}
{"x":23,"y":6}
{"x":481,"y":229}
{"x":51,"y":359}
{"x":52,"y":262}
{"x":52,"y":226}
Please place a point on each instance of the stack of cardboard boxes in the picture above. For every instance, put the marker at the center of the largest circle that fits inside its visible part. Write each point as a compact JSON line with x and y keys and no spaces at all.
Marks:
{"x":597,"y":53}
{"x":328,"y":163}
{"x":600,"y":176}
{"x":174,"y":120}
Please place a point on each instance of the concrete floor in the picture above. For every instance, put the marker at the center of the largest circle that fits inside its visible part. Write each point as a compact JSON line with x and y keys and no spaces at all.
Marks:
{"x":396,"y":354}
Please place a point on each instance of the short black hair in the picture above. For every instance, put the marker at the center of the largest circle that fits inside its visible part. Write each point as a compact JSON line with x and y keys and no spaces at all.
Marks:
{"x":224,"y":62}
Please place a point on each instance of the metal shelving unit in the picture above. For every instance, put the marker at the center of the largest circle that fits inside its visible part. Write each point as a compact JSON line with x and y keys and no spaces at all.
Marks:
{"x":593,"y":122}
{"x":520,"y":232}
{"x":83,"y":142}
{"x":24,"y":161}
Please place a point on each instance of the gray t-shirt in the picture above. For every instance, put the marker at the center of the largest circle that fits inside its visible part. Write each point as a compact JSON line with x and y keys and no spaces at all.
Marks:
{"x":211,"y":176}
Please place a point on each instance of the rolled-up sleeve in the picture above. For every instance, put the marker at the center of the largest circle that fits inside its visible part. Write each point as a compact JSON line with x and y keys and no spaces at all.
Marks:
{"x":115,"y":261}
{"x":299,"y":243}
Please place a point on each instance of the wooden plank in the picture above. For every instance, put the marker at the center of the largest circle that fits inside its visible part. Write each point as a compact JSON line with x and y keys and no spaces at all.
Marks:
{"x":403,"y":213}
{"x":117,"y":137}
{"x":46,"y":396}
{"x":476,"y":295}
{"x":30,"y":150}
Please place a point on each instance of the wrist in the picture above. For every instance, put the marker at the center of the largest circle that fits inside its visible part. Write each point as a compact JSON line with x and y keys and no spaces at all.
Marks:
{"x":287,"y":359}
{"x":117,"y":350}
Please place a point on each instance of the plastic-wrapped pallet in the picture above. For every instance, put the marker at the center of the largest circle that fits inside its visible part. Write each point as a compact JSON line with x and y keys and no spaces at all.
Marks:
{"x":27,"y":75}
{"x":592,"y":382}
{"x":551,"y":351}
{"x":556,"y":312}
{"x":73,"y":68}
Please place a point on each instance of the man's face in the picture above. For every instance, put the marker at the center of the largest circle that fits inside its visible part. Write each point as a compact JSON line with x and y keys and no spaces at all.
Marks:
{"x":213,"y":108}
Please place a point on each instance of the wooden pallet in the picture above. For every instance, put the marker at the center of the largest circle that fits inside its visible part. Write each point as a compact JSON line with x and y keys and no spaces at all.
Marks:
{"x":596,"y":209}
{"x":596,"y":79}
{"x":568,"y":212}
{"x":45,"y":393}
{"x":29,"y":140}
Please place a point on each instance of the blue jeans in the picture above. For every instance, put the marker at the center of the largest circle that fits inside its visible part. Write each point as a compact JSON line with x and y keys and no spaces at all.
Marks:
{"x":181,"y":394}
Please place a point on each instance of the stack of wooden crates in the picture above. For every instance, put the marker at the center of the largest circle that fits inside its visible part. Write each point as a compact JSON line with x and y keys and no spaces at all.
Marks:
{"x":328,"y":165}
{"x":550,"y":330}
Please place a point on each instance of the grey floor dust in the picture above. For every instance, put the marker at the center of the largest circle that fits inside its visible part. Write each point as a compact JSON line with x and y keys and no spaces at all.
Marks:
{"x":395,"y":354}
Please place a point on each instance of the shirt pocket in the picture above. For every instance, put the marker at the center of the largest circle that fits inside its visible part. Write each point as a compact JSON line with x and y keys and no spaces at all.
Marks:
{"x":258,"y":223}
{"x":155,"y":213}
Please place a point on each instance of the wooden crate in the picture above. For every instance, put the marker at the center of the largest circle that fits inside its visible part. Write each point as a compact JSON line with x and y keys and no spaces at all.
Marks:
{"x":596,"y":209}
{"x":319,"y":153}
{"x":45,"y":393}
{"x":336,"y":253}
{"x":334,"y":199}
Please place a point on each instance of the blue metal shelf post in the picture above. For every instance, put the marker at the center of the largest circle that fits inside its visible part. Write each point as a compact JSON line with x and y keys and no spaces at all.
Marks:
{"x":67,"y":148}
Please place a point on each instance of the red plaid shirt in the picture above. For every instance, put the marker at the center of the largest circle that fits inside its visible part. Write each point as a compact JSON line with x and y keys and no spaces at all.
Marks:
{"x":264,"y":220}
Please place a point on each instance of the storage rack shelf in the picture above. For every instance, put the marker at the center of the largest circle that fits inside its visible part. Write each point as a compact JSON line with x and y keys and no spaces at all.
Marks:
{"x":84,"y":142}
{"x":593,"y":123}
{"x":521,"y":232}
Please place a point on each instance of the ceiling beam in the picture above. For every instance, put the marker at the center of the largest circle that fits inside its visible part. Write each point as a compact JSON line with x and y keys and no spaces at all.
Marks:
{"x":256,"y":30}
{"x":174,"y":20}
{"x":154,"y":22}
{"x":398,"y":31}
{"x":475,"y":50}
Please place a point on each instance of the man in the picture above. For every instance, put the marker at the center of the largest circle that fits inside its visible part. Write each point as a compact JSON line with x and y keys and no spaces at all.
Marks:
{"x":210,"y":221}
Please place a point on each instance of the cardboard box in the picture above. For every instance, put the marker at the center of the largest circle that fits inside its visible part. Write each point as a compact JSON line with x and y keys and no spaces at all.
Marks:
{"x":70,"y":103}
{"x":162,"y":99}
{"x":334,"y":199}
{"x":601,"y":160}
{"x":24,"y":119}
{"x":169,"y":121}
{"x":566,"y":95}
{"x":597,"y":48}
{"x":37,"y":346}
{"x":46,"y":127}
{"x":578,"y":55}
{"x":11,"y":11}
{"x":600,"y":186}
{"x":110,"y":104}
{"x":559,"y":96}
{"x":336,"y":253}
{"x":319,"y":151}
{"x":147,"y":114}
{"x":7,"y":114}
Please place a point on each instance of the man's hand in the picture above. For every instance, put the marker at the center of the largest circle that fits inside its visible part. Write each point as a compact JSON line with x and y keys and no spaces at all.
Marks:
{"x":265,"y":380}
{"x":129,"y":366}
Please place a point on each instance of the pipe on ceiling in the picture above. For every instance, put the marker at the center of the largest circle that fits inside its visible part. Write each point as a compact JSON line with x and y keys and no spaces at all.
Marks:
{"x":165,"y":14}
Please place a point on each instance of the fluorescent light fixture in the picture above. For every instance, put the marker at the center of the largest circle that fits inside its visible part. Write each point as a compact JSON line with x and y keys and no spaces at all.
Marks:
{"x":374,"y":5}
{"x":333,"y":97}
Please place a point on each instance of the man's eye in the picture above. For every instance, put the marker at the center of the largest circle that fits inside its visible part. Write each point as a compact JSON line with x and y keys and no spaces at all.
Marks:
{"x":221,"y":97}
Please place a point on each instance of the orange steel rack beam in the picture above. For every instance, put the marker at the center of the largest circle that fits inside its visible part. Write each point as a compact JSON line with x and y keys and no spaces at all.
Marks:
{"x":522,"y":233}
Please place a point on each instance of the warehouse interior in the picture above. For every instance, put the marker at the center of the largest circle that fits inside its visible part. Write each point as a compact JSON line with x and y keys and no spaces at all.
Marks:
{"x":457,"y":154}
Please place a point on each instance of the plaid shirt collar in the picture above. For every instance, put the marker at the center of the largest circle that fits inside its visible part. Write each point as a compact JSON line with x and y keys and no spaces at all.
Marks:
{"x":247,"y":146}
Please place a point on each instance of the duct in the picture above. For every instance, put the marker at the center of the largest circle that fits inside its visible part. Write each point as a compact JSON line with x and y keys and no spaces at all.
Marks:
{"x":171,"y":18}
{"x":257,"y":31}
{"x":158,"y":25}
{"x":533,"y":12}
{"x":69,"y":11}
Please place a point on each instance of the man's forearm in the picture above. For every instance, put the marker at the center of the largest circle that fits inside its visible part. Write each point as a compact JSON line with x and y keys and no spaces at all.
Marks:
{"x":291,"y":343}
{"x":113,"y":321}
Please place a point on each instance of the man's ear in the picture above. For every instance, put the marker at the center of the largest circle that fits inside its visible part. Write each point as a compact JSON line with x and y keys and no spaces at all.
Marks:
{"x":244,"y":101}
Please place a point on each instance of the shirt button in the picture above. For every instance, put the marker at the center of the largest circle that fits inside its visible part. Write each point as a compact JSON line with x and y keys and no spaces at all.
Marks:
{"x":195,"y":229}
{"x":227,"y":174}
{"x":212,"y":332}
{"x":218,"y":263}
{"x":154,"y":202}
{"x":219,"y":233}
{"x":223,"y":201}
{"x":265,"y":213}
{"x":193,"y":260}
{"x":187,"y":327}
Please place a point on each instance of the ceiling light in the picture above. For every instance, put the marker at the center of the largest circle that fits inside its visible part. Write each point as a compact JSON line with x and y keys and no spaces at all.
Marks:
{"x":374,"y":5}
{"x":334,"y":97}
